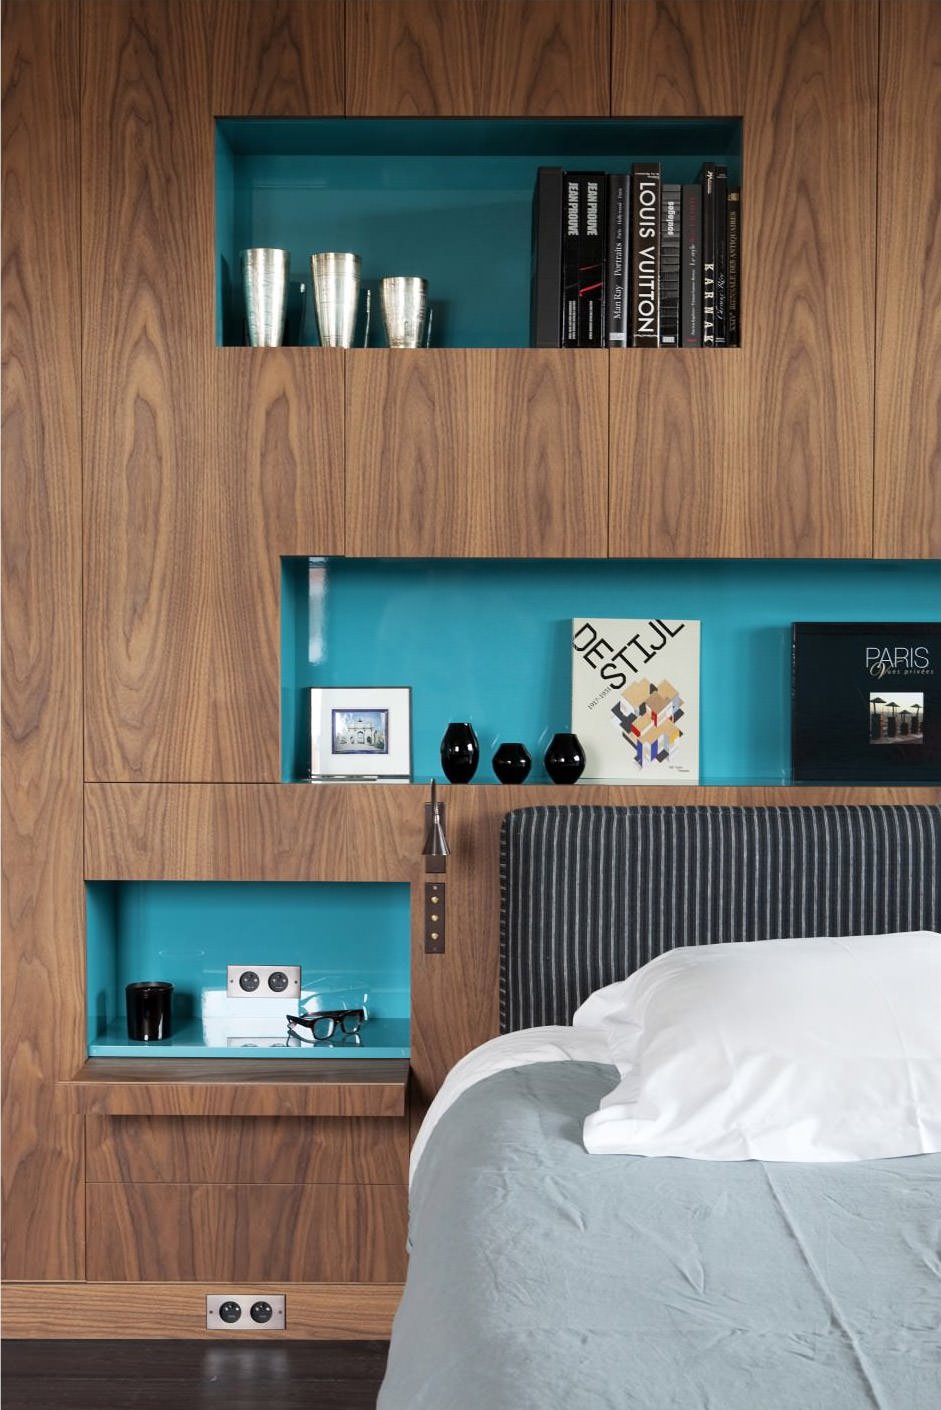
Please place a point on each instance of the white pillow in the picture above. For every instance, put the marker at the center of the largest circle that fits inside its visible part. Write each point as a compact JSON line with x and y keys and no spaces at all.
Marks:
{"x":809,"y":1050}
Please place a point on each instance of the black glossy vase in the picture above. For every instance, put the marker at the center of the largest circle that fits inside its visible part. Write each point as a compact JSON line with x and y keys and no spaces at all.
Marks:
{"x":512,"y":763}
{"x":459,"y":752}
{"x":565,"y":758}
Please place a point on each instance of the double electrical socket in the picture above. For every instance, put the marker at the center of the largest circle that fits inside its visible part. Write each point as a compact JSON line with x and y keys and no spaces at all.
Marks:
{"x":245,"y":1312}
{"x":263,"y":980}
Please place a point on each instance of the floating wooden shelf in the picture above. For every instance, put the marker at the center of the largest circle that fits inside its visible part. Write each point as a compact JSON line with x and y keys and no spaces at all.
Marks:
{"x":237,"y":1087}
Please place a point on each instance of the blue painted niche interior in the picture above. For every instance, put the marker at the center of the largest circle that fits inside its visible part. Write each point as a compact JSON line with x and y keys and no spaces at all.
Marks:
{"x":488,"y":641}
{"x":347,"y":938}
{"x":448,"y":199}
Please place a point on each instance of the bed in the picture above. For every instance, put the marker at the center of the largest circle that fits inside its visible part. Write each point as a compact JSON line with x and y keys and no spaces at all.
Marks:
{"x":542,"y":1276}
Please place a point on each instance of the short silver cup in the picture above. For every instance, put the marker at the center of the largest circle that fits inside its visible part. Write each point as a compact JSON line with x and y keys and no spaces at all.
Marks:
{"x":335,"y":278}
{"x":265,"y":281}
{"x":404,"y":307}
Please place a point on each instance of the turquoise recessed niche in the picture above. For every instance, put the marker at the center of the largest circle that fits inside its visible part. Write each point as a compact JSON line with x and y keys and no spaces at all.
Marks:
{"x":348,"y":938}
{"x":448,"y":199}
{"x":489,"y":640}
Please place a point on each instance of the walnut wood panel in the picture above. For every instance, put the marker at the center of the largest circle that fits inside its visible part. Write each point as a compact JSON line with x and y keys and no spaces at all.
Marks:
{"x":256,"y":1150}
{"x":677,"y":58}
{"x":148,"y":287}
{"x":278,"y":58}
{"x":42,"y":903}
{"x":478,"y":58}
{"x":680,"y":478}
{"x":455,"y":995}
{"x":324,"y":1311}
{"x":263,"y":1233}
{"x":477,"y":453}
{"x":768,"y":451}
{"x":278,"y":451}
{"x":808,"y":276}
{"x":907,"y":512}
{"x":237,"y":1087}
{"x":252,"y":832}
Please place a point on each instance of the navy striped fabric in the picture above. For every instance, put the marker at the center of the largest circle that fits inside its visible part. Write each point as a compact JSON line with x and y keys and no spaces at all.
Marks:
{"x":589,"y":894}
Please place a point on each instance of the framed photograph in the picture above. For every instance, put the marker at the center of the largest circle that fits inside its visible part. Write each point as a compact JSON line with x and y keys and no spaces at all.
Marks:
{"x":866,"y":703}
{"x":360,"y":733}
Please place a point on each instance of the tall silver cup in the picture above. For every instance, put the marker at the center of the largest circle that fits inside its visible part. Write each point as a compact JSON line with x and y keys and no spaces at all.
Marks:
{"x":265,"y":281}
{"x":335,"y":278}
{"x":404,"y":307}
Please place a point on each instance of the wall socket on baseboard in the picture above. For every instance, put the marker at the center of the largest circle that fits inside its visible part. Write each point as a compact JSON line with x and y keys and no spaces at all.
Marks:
{"x":245,"y":1312}
{"x":283,"y":981}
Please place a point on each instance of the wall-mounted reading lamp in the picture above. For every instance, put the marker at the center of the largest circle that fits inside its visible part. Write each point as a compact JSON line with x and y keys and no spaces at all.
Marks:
{"x":436,"y":852}
{"x":436,"y":849}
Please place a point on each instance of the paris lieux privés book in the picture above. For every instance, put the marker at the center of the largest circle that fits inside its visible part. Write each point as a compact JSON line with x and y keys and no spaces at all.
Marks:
{"x":635,"y":699}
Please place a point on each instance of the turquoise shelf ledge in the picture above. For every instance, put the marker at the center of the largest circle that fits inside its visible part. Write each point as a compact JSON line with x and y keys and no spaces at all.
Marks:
{"x":380,"y":1038}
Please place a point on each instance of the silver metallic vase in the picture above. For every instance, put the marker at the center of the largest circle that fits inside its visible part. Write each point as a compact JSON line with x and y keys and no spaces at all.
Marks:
{"x":404,"y":301}
{"x":335,"y":278}
{"x":265,"y":281}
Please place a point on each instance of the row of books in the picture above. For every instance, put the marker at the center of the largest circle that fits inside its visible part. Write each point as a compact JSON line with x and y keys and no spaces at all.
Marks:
{"x":626,"y":259}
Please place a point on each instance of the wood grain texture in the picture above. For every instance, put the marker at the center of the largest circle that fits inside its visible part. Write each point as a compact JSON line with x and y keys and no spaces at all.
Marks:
{"x":278,"y":58}
{"x":150,"y":504}
{"x":237,"y":1087}
{"x":328,"y":1311}
{"x":680,"y":481}
{"x":477,"y":453}
{"x":279,"y":461}
{"x":478,"y":58}
{"x":766,"y":451}
{"x":808,"y":276}
{"x":42,"y":900}
{"x":260,"y":832}
{"x":256,"y":1150}
{"x":677,"y":58}
{"x":907,"y":510}
{"x":263,"y":1233}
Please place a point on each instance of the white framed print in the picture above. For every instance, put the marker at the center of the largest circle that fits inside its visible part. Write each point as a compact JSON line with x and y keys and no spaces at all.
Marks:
{"x":360,"y":732}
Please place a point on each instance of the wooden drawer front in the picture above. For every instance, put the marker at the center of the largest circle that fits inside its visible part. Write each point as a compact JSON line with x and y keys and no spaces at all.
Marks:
{"x":256,"y":1233}
{"x":246,"y":1151}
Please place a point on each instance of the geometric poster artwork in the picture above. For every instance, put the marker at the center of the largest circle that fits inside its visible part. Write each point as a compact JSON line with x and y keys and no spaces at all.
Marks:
{"x":635,"y":699}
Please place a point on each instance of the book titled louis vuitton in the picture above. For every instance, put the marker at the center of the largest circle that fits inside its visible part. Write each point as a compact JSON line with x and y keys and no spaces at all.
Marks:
{"x":635,"y":699}
{"x":866,"y":702}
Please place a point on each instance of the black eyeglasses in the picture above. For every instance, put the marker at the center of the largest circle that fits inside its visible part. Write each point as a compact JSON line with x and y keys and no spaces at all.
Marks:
{"x":323,"y":1025}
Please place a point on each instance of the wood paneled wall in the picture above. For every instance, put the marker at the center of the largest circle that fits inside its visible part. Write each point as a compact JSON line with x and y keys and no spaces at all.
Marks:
{"x":766,"y":450}
{"x":42,"y":900}
{"x":907,"y":513}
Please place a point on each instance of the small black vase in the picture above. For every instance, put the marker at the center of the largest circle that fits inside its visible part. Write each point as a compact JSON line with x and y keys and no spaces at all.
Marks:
{"x":512,"y":763}
{"x":565,"y":758}
{"x":459,"y":752}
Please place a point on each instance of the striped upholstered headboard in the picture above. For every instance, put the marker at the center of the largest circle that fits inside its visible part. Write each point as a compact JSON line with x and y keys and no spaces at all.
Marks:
{"x":591,"y":893}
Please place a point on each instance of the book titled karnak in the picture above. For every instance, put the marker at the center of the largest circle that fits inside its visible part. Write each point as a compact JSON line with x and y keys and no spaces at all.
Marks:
{"x":635,"y":699}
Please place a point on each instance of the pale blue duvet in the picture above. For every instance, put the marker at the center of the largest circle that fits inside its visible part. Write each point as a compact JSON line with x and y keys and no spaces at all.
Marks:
{"x":543,"y":1277}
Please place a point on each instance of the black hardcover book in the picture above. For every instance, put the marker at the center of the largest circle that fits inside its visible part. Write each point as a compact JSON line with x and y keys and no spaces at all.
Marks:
{"x":707,"y":179}
{"x":722,"y":262}
{"x":592,"y":235}
{"x":571,"y":219}
{"x":866,"y":702}
{"x":670,"y":265}
{"x":546,"y":303}
{"x":616,"y":260}
{"x":733,"y":281}
{"x":645,"y":255}
{"x":691,"y":267}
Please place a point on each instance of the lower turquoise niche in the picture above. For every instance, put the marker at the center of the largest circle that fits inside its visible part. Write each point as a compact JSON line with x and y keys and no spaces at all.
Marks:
{"x":351,"y":940}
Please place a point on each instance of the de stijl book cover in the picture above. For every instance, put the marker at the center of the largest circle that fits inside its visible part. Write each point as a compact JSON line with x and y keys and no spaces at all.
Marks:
{"x":635,"y":699}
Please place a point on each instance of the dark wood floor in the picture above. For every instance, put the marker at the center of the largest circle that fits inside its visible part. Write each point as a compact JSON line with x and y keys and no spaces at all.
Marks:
{"x":191,"y":1375}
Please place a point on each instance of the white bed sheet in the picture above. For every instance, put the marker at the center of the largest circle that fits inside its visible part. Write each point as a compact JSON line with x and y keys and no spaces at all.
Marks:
{"x":553,"y":1043}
